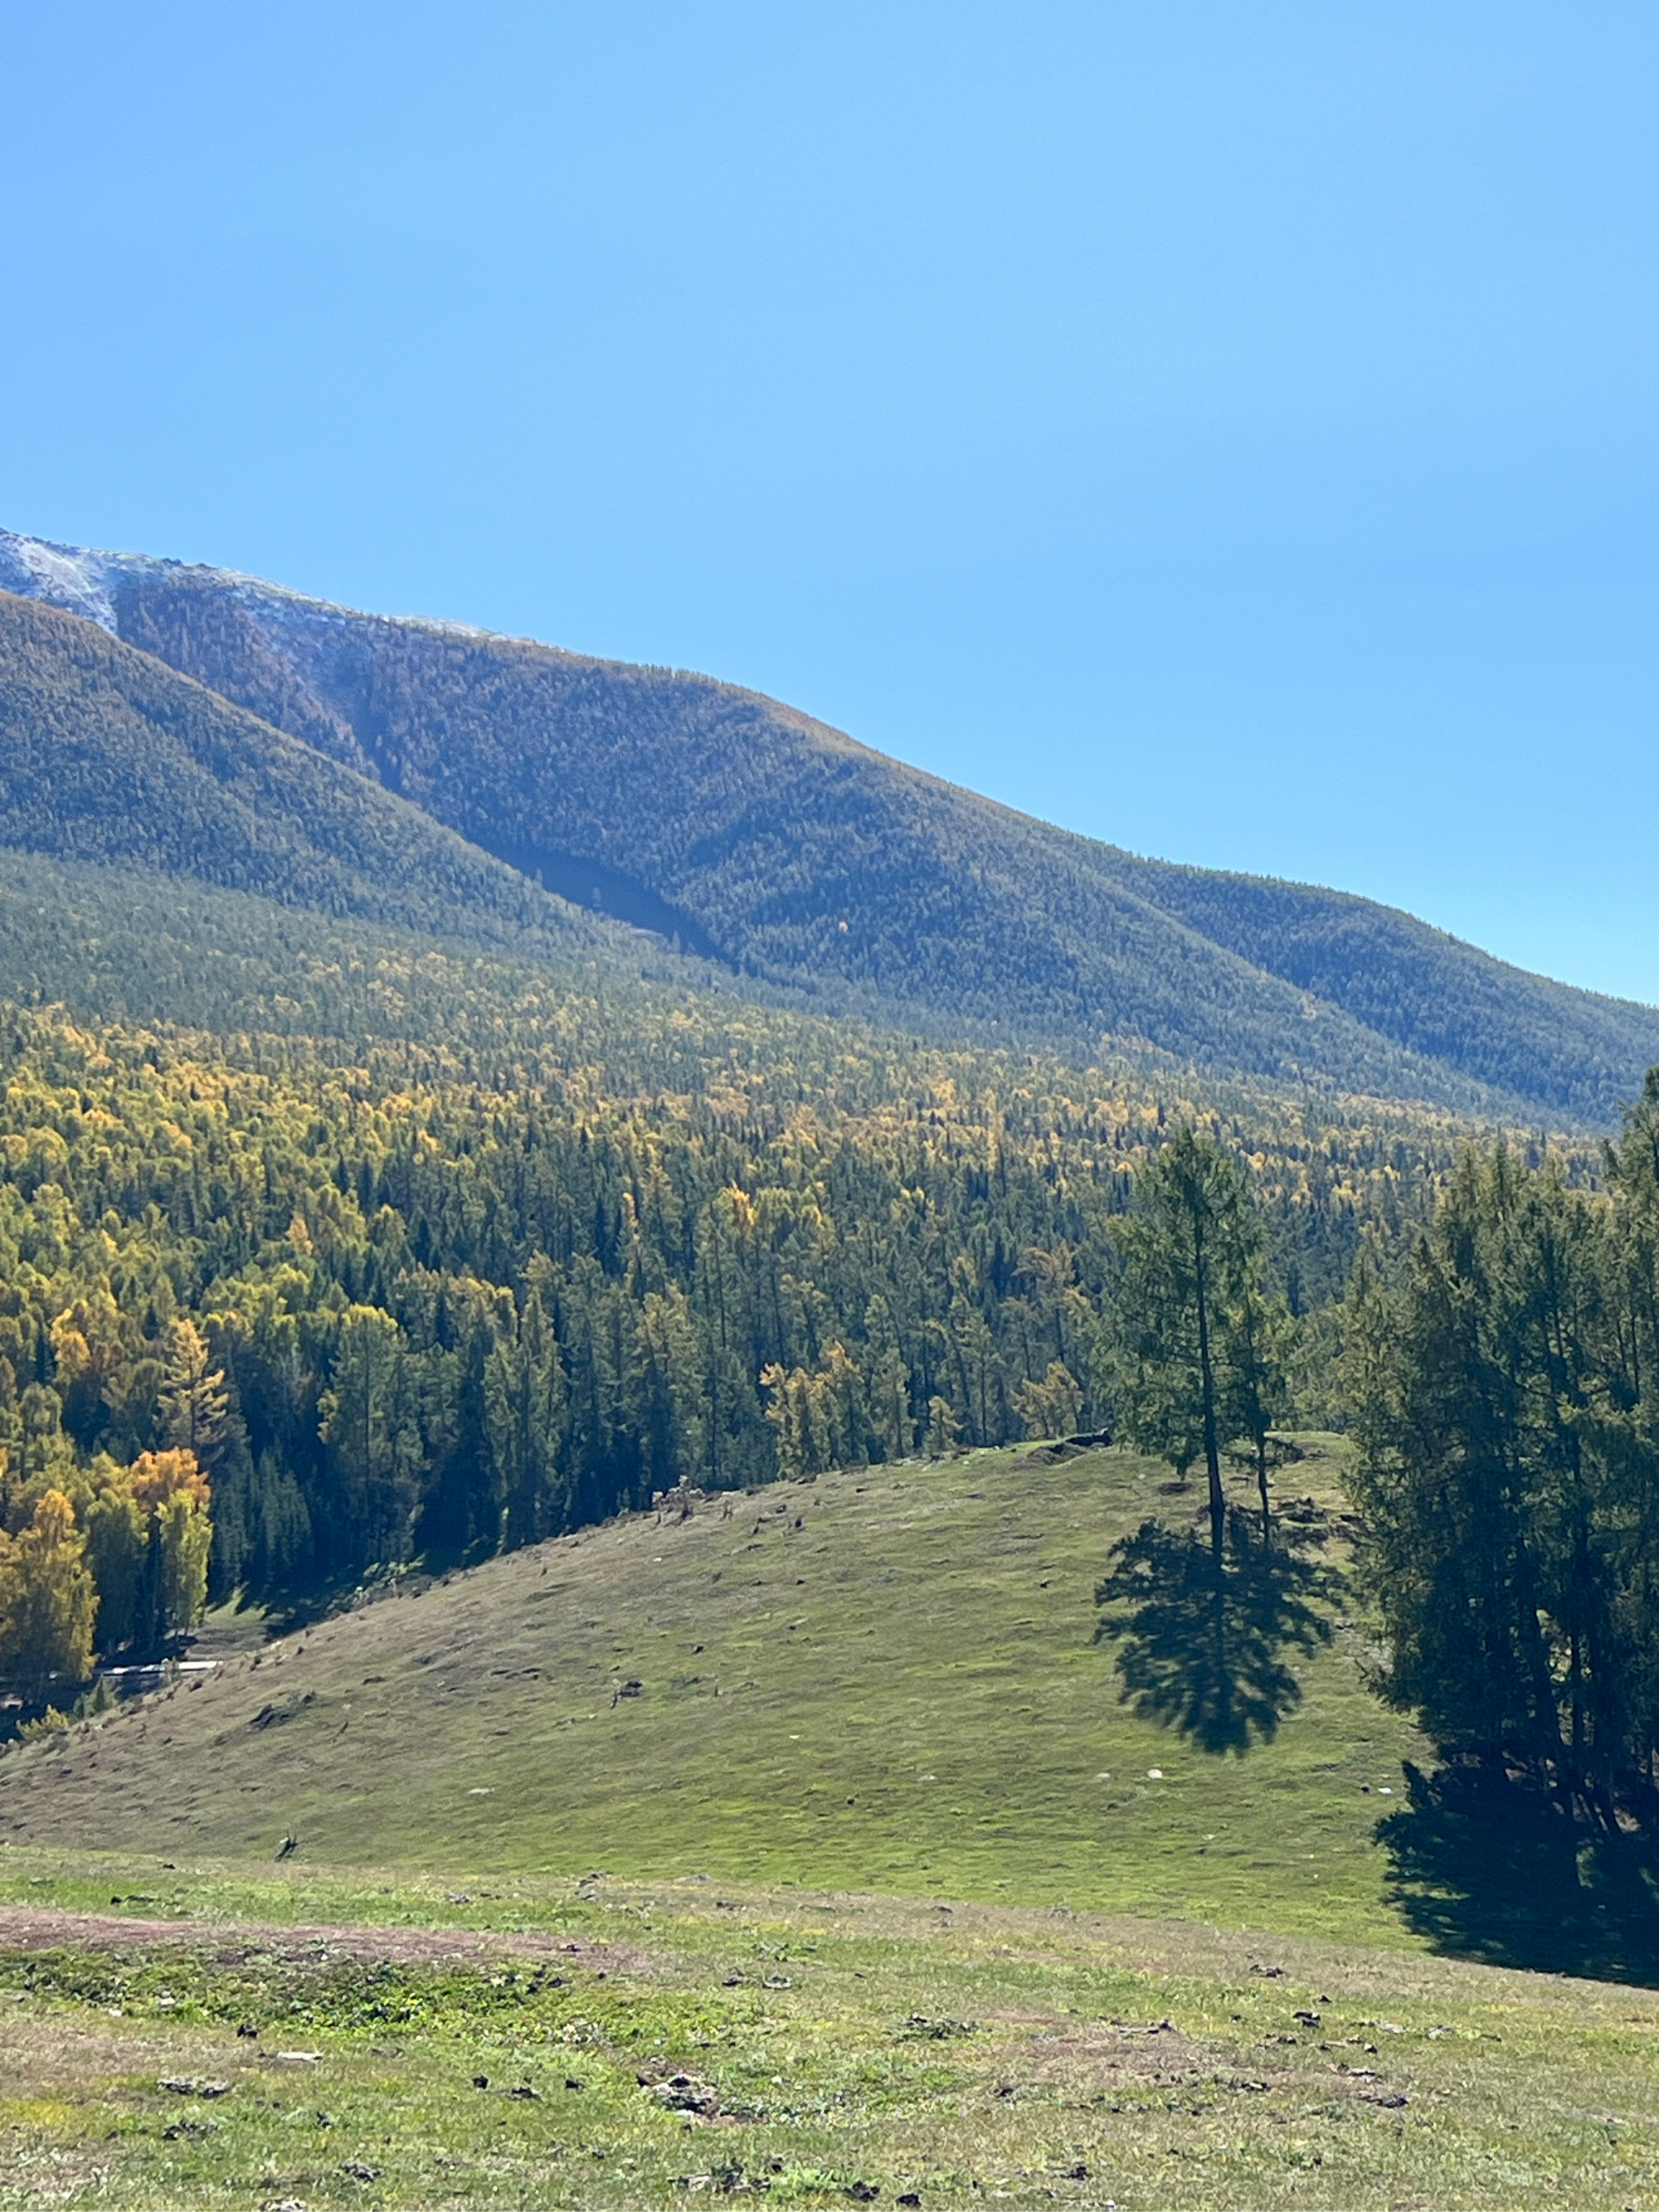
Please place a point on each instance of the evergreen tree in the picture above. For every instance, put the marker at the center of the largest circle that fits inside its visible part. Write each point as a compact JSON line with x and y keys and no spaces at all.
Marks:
{"x":1189,"y":1248}
{"x":1260,"y":1341}
{"x":370,"y":1424}
{"x":1510,"y":1459}
{"x":117,"y":1556}
{"x":524,"y":1411}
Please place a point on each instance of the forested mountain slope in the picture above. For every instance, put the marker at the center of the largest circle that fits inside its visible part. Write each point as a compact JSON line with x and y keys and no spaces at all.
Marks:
{"x":570,"y":1241}
{"x":107,"y":754}
{"x":750,"y":831}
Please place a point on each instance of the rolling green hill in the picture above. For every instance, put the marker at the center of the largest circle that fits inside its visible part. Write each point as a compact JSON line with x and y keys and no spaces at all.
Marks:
{"x":752,"y":832}
{"x":803,"y":1852}
{"x":882,"y":1680}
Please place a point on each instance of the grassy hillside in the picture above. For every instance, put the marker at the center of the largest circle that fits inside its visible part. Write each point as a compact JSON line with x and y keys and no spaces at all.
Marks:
{"x":750,"y":831}
{"x":885,"y":1680}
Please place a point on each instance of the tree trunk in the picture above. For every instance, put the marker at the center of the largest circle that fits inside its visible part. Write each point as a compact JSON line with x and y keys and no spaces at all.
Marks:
{"x":1211,"y":1444}
{"x":1262,"y":1485}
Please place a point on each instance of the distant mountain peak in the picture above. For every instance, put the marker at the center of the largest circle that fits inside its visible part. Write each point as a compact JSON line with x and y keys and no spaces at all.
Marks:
{"x":757,"y":836}
{"x":84,"y":580}
{"x":72,"y":577}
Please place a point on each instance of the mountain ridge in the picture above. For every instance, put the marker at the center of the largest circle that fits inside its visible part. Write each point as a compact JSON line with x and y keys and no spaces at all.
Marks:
{"x":112,"y":757}
{"x":757,"y":835}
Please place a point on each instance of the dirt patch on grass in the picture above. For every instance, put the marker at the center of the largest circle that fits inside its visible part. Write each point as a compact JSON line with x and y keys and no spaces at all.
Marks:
{"x":43,"y":1927}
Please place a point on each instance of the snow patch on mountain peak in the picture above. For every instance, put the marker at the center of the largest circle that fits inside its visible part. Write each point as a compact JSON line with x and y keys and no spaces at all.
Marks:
{"x":68,"y":576}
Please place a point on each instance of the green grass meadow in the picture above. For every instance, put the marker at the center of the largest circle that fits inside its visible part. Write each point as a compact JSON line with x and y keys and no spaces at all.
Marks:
{"x":815,"y":2047}
{"x":885,"y":1680}
{"x":801,"y":1850}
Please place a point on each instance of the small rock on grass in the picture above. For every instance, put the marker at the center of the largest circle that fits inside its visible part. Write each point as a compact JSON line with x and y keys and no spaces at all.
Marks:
{"x":192,"y":2085}
{"x":683,"y":2092}
{"x":355,"y":2170}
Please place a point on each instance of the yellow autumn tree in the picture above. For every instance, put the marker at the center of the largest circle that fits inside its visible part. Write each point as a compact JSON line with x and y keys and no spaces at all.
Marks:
{"x":796,"y":1410}
{"x":1053,"y":1407}
{"x":48,"y":1601}
{"x":173,"y":1491}
{"x":149,"y":1534}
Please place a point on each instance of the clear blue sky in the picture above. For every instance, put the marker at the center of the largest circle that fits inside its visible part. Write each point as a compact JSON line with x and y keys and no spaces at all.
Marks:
{"x":1229,"y":430}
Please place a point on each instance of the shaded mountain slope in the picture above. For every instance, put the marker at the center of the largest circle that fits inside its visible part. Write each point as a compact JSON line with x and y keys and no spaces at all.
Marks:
{"x":1428,"y":991}
{"x":106,"y":755}
{"x":750,"y":831}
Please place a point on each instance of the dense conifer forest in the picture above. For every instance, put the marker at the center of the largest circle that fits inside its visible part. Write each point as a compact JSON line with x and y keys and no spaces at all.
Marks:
{"x":106,"y":756}
{"x":400,"y":1298}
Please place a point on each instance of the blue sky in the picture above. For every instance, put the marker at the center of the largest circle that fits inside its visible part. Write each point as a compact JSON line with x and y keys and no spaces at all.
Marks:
{"x":1228,"y":430}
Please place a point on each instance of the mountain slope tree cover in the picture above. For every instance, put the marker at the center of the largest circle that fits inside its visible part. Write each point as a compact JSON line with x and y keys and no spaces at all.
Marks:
{"x":106,"y":755}
{"x":752,"y":832}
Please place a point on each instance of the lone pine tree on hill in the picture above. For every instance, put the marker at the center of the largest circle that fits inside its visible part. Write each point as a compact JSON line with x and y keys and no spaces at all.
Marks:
{"x":1203,"y":1340}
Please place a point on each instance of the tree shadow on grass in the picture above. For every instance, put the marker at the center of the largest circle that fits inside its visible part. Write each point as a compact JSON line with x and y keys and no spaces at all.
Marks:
{"x":1206,"y":1654}
{"x":1487,"y":1867}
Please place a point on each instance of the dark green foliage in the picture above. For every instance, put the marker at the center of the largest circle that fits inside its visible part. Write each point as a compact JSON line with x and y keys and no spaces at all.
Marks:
{"x":1505,"y":1397}
{"x":1202,"y":1352}
{"x":106,"y":755}
{"x":1203,"y":1343}
{"x":752,"y":832}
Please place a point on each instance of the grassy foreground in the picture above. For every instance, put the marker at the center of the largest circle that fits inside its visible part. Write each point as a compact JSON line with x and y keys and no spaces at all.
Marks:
{"x":315,"y":2041}
{"x":885,"y":1680}
{"x":887,"y":1917}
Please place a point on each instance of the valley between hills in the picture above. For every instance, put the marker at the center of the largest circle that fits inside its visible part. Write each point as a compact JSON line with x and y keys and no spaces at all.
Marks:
{"x":634,"y":1560}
